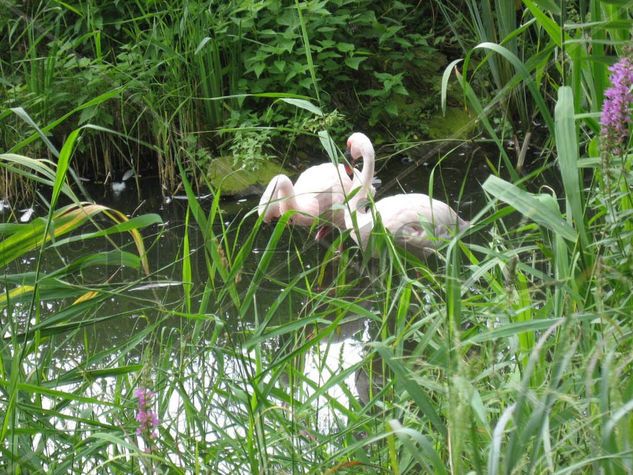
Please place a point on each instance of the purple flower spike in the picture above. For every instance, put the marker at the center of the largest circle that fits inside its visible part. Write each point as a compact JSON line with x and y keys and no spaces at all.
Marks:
{"x":147,"y":419}
{"x":617,"y":107}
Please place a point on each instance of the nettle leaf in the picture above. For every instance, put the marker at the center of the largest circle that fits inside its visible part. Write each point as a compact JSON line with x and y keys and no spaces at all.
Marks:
{"x":286,"y":45}
{"x":330,"y":65}
{"x":288,"y":18}
{"x":373,"y":93}
{"x":280,"y":65}
{"x":403,"y":42}
{"x":87,"y":115}
{"x":306,"y":83}
{"x":391,"y":108}
{"x":368,"y":16}
{"x":345,"y":47}
{"x":354,"y":62}
{"x":327,"y":55}
{"x":327,"y":43}
{"x":400,"y":89}
{"x":327,"y":29}
{"x":391,"y":31}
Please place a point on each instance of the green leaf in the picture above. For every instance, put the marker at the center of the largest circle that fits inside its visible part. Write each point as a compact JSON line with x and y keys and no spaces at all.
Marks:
{"x":530,"y":205}
{"x":303,"y":104}
{"x":549,"y":5}
{"x":328,"y":144}
{"x":345,"y":47}
{"x":446,"y":75}
{"x":416,"y":392}
{"x":259,"y":69}
{"x":44,"y":130}
{"x":620,"y":3}
{"x":391,"y":108}
{"x":354,"y":61}
{"x":567,"y":146}
{"x":525,"y":75}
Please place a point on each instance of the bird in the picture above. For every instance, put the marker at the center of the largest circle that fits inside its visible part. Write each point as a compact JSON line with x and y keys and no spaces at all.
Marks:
{"x":313,"y":195}
{"x":416,"y":221}
{"x":320,"y":190}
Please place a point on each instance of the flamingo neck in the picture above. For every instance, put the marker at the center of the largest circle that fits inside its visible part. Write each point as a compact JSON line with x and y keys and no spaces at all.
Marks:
{"x":362,"y":180}
{"x":367,"y":174}
{"x":286,"y":194}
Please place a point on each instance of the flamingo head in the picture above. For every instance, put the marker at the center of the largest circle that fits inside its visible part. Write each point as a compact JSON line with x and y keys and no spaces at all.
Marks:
{"x":358,"y":146}
{"x":269,"y":205}
{"x":270,"y":211}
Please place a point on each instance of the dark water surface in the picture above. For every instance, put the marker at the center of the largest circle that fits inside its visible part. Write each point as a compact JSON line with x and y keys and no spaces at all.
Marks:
{"x":456,"y":180}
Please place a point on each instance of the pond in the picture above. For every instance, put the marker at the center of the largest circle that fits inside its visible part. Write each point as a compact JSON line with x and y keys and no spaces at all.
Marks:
{"x":456,"y":180}
{"x":234,"y":350}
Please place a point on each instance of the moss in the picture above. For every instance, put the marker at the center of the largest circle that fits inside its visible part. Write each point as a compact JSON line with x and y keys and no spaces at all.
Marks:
{"x":457,"y":123}
{"x":222,"y":174}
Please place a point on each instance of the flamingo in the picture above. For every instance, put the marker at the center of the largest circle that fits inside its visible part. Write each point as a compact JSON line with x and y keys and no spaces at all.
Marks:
{"x":318,"y":190}
{"x":408,"y":216}
{"x":314,"y":193}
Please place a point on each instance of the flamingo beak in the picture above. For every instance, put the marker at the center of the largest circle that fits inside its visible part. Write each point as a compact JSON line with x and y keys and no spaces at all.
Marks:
{"x":348,"y":168}
{"x":322,"y":232}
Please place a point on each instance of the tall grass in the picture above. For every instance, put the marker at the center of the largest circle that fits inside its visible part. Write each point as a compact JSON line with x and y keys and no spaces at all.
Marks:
{"x":188,"y":75}
{"x":508,"y":352}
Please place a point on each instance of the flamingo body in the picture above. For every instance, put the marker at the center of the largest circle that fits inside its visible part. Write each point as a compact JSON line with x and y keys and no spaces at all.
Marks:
{"x":314,"y":194}
{"x":417,"y":222}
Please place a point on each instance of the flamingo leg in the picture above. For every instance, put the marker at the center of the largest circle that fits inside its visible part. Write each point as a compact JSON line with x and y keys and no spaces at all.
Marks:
{"x":322,"y":232}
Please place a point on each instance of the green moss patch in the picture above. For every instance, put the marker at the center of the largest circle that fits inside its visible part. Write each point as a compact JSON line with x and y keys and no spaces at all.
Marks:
{"x":223,"y":175}
{"x":457,"y":123}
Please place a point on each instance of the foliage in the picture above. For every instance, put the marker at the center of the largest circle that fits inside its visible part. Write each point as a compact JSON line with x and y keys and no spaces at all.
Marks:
{"x":197,"y":68}
{"x":522,"y":62}
{"x":507,"y":351}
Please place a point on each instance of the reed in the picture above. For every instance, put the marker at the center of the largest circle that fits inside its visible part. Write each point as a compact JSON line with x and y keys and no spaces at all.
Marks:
{"x":506,"y":352}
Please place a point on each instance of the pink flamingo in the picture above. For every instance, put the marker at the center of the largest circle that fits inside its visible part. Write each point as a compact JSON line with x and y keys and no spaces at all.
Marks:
{"x":319,"y":191}
{"x":415,"y":220}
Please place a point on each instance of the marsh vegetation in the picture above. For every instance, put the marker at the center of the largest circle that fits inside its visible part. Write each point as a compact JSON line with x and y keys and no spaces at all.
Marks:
{"x":162,"y":327}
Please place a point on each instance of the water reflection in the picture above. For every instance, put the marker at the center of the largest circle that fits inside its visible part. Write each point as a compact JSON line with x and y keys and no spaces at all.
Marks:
{"x":294,"y":355}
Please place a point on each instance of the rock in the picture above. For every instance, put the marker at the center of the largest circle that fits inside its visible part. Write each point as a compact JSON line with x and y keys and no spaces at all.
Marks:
{"x":457,"y":123}
{"x":223,"y":175}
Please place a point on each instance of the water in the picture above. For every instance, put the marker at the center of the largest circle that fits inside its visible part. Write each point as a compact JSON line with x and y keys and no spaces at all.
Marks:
{"x":398,"y":175}
{"x":408,"y":173}
{"x":341,"y":352}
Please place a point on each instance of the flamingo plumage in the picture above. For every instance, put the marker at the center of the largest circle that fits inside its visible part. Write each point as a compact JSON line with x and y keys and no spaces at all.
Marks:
{"x":318,"y":193}
{"x":416,"y":221}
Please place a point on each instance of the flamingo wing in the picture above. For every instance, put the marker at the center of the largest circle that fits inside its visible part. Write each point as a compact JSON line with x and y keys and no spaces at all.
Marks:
{"x":416,"y":220}
{"x":325,"y":179}
{"x":323,"y":186}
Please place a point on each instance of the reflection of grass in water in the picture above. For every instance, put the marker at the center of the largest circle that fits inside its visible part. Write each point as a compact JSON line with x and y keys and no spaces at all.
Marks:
{"x":510,"y":352}
{"x":254,"y":371}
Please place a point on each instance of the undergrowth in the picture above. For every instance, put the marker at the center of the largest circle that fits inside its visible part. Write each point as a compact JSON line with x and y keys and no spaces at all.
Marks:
{"x":507,"y":351}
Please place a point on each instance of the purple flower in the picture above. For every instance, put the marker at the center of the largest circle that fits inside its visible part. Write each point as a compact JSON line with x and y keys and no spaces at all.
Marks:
{"x":147,"y":419}
{"x":616,"y":110}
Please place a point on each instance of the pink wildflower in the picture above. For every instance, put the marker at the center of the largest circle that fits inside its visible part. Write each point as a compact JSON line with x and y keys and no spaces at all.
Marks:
{"x":616,"y":110}
{"x":147,"y":419}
